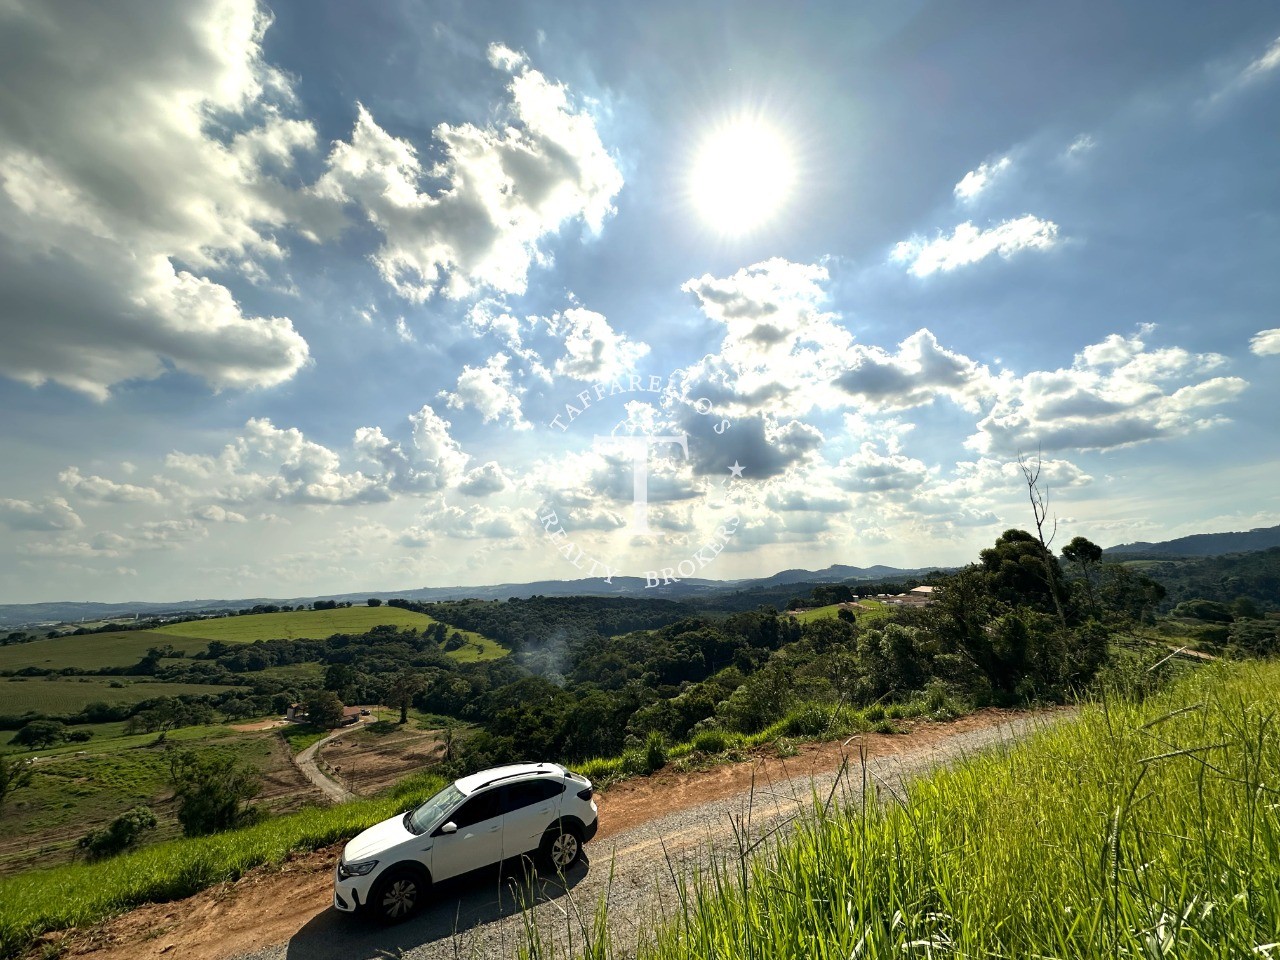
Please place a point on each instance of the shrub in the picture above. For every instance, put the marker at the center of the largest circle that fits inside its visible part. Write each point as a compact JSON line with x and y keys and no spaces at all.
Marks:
{"x":119,"y":835}
{"x":809,"y":721}
{"x":655,"y":752}
{"x":212,"y":792}
{"x":711,"y":740}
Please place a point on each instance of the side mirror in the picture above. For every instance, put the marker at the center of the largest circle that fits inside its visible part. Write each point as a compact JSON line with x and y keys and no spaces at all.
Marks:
{"x":449,"y":827}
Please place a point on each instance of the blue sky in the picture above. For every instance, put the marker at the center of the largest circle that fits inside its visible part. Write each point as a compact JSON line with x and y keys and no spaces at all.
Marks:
{"x":292,"y":295}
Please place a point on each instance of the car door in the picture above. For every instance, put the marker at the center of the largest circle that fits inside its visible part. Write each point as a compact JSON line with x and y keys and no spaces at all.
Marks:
{"x":477,"y":841}
{"x":530,"y":806}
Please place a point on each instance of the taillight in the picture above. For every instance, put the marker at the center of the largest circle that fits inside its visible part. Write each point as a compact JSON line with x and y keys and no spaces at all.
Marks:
{"x":587,"y":793}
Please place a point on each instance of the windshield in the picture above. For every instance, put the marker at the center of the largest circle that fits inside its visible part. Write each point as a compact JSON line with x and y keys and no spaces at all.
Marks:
{"x":423,"y":818}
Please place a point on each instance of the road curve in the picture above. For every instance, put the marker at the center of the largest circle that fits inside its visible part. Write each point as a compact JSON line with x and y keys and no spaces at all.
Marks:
{"x":306,"y":762}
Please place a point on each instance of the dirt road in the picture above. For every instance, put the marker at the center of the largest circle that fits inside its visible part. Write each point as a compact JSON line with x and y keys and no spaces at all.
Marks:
{"x":649,"y":826}
{"x":306,"y":762}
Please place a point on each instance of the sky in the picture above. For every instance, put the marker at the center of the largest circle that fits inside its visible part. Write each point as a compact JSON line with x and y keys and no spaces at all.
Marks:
{"x":322,"y":297}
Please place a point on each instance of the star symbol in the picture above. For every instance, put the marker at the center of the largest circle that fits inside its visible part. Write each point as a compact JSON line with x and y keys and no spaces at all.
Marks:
{"x":736,"y":470}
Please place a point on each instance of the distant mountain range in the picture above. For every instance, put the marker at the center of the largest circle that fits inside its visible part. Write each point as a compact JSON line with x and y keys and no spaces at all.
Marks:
{"x":16,"y":615}
{"x":1206,"y":544}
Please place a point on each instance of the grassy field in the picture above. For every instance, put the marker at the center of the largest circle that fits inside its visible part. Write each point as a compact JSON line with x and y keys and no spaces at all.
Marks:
{"x":320,"y":624}
{"x":876,"y":611}
{"x":64,"y":695}
{"x":91,"y":651}
{"x":296,"y":625}
{"x":1141,"y":830}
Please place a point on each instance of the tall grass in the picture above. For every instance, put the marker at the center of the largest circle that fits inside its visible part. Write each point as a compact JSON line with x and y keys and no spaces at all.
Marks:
{"x":1147,"y":830}
{"x":38,"y":901}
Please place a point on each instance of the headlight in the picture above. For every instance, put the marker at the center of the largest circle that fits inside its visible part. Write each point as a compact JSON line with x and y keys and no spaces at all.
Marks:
{"x":355,"y":869}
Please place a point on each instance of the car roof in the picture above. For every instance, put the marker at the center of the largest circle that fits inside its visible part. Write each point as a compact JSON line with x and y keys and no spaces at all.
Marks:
{"x":514,"y":771}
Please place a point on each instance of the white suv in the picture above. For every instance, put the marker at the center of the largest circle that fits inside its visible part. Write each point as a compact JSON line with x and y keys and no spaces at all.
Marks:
{"x":474,"y":822}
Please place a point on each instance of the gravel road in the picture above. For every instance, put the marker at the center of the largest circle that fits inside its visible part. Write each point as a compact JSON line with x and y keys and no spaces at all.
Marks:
{"x":306,"y":762}
{"x":483,"y":919}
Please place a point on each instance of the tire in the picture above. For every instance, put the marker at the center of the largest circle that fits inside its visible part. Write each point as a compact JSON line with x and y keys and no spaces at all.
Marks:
{"x":561,"y":847}
{"x":398,"y":895}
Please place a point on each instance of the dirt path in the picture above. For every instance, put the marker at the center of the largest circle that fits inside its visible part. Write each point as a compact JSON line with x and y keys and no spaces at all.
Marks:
{"x":306,"y":762}
{"x":283,"y":913}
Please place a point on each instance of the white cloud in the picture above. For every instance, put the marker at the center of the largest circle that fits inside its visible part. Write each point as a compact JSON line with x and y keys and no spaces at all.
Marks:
{"x":436,"y":446}
{"x":919,"y":371}
{"x":969,"y":244}
{"x":504,"y":188}
{"x":94,"y":217}
{"x":870,"y":471}
{"x":976,"y":181}
{"x":1116,"y":393}
{"x":490,"y":390}
{"x":1264,"y":64}
{"x":441,"y":520}
{"x":101,"y":490}
{"x":593,"y":349}
{"x":51,"y":513}
{"x":1266,"y":343}
{"x":1081,"y":145}
{"x":781,"y":349}
{"x":212,"y":513}
{"x":484,"y":480}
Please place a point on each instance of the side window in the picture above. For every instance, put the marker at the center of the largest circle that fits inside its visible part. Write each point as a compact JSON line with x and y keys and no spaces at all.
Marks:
{"x":481,"y":807}
{"x":528,"y":792}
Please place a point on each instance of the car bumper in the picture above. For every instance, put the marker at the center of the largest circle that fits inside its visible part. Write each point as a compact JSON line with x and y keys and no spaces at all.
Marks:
{"x":350,"y":893}
{"x":590,"y":831}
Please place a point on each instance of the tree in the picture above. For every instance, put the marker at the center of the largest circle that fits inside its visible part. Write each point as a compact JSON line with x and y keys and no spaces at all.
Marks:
{"x":14,"y":775}
{"x":324,"y":709}
{"x":1040,"y":512}
{"x":213,"y":791}
{"x":340,"y":677}
{"x":40,"y":733}
{"x":407,"y":685}
{"x":119,"y":835}
{"x":374,"y":602}
{"x":1086,"y":556}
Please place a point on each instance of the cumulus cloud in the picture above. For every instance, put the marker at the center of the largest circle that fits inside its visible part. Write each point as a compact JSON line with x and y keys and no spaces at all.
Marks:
{"x":1116,"y":393}
{"x":503,"y":188}
{"x":491,"y":391}
{"x":441,"y":520}
{"x":1266,"y":343}
{"x":212,"y":513}
{"x":781,"y":348}
{"x":484,"y":480}
{"x":593,"y":349}
{"x":266,"y":463}
{"x":93,"y":218}
{"x":976,"y":181}
{"x":51,"y":513}
{"x":920,"y":370}
{"x":969,"y":244}
{"x":870,"y":471}
{"x":101,"y":490}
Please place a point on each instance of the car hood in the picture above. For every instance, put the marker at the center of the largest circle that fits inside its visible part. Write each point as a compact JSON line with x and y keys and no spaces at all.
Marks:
{"x":376,"y":840}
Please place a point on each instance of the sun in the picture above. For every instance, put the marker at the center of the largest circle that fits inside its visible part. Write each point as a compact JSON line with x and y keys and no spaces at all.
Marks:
{"x":742,"y":174}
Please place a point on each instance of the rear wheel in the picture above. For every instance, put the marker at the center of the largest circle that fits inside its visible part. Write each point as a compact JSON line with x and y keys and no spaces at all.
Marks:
{"x":398,"y":895}
{"x":561,"y":847}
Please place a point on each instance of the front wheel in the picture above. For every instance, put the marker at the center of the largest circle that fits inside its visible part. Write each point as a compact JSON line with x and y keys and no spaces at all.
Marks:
{"x":561,"y":847}
{"x":398,"y":895}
